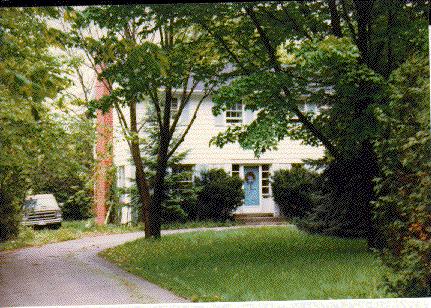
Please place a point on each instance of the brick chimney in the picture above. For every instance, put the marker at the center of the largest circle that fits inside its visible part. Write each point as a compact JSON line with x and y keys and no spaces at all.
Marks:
{"x":104,"y":143}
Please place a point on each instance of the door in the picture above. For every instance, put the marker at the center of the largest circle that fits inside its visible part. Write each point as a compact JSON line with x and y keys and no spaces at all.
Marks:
{"x":251,"y":186}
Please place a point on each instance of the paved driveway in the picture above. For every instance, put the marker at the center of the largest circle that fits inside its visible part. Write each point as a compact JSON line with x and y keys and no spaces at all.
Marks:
{"x":71,"y":273}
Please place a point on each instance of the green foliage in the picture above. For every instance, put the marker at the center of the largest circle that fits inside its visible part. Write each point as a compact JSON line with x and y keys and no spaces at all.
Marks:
{"x":29,"y":75}
{"x":177,"y":197}
{"x":70,"y":230}
{"x":404,"y":187}
{"x":64,"y":165}
{"x":79,"y":206}
{"x":342,"y":200}
{"x":293,"y":190}
{"x":219,"y":194}
{"x":9,"y":215}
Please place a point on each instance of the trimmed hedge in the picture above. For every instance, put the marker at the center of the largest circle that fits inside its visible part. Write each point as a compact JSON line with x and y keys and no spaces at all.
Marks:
{"x":292,"y":191}
{"x":219,"y":194}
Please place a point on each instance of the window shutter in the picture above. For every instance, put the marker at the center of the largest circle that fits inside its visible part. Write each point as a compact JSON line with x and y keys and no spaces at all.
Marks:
{"x":248,"y":116}
{"x":186,"y":115}
{"x":219,"y":120}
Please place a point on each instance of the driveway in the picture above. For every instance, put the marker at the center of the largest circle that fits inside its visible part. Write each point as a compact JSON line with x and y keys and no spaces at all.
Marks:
{"x":71,"y":273}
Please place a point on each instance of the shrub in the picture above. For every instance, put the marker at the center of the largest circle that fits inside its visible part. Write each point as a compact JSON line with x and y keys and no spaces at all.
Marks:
{"x":342,"y":206}
{"x":219,"y":194}
{"x":403,"y":207}
{"x":178,"y":199}
{"x":9,"y":215}
{"x":292,"y":191}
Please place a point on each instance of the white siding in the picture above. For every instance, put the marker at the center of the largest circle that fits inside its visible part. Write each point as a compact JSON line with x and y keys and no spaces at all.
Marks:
{"x":205,"y":157}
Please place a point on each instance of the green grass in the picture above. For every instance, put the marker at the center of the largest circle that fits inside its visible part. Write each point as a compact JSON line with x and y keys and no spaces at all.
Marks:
{"x":71,"y":230}
{"x":252,"y":264}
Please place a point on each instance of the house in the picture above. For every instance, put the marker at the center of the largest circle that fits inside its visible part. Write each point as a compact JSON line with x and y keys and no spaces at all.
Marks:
{"x":256,"y":172}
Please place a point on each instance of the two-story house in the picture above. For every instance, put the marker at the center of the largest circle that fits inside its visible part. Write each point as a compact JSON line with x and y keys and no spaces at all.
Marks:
{"x":256,"y":172}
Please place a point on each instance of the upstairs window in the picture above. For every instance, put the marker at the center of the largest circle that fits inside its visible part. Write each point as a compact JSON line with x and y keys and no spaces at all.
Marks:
{"x":174,"y":107}
{"x":185,"y":176}
{"x":234,"y":114}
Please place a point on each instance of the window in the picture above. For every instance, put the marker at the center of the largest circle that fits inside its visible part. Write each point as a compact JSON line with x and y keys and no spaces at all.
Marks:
{"x":235,"y":170}
{"x":121,"y":177}
{"x":234,"y":114}
{"x":174,"y":107}
{"x":265,"y":181}
{"x":184,"y":175}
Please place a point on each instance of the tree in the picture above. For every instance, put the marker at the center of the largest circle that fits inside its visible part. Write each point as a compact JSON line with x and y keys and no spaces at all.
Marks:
{"x":136,"y":69}
{"x":29,"y":75}
{"x":404,"y":186}
{"x":286,"y":54}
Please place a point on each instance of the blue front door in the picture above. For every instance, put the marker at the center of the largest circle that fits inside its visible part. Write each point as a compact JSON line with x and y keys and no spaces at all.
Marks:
{"x":251,"y":186}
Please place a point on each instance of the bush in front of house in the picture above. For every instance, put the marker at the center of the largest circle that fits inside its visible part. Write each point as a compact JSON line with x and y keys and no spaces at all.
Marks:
{"x":403,"y":205}
{"x":292,"y":191}
{"x":219,"y":194}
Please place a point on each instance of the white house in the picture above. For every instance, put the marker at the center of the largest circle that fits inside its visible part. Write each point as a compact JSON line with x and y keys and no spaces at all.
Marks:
{"x":233,"y":159}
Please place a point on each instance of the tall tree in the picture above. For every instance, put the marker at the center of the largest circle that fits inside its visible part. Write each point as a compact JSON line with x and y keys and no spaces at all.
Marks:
{"x":284,"y":56}
{"x":149,"y":54}
{"x":29,"y":76}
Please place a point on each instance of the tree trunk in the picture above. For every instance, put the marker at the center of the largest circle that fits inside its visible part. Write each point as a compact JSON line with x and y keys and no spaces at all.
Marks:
{"x":141,"y":180}
{"x":335,"y":19}
{"x":370,"y":163}
{"x":162,"y":164}
{"x":370,"y":170}
{"x":159,"y":191}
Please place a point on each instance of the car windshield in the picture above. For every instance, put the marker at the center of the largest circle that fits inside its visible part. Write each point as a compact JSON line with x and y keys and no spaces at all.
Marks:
{"x":39,"y":203}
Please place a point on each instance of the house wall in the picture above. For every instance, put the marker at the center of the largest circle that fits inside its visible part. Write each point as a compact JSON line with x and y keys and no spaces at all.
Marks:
{"x":204,"y":156}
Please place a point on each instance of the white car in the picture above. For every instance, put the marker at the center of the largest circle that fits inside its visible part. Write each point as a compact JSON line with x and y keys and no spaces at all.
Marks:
{"x":41,"y":210}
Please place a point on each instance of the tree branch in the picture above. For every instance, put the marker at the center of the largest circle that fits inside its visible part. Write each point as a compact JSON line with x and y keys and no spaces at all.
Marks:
{"x":264,"y":39}
{"x":348,"y":21}
{"x":271,"y":52}
{"x":335,"y":19}
{"x":296,"y":26}
{"x":123,"y":124}
{"x":185,"y":98}
{"x":183,"y":136}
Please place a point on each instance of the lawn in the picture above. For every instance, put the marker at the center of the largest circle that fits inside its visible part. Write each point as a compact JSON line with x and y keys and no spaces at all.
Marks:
{"x":71,"y":230}
{"x":252,"y":264}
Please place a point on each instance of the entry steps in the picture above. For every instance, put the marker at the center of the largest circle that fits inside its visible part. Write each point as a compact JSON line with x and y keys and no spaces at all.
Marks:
{"x":259,"y":219}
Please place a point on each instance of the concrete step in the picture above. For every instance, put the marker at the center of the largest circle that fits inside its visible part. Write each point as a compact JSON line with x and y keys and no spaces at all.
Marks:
{"x":260,"y":220}
{"x":253,"y":215}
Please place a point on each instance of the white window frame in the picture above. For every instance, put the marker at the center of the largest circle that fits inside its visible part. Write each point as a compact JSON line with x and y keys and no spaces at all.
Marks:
{"x":189,"y":181}
{"x":236,"y":172}
{"x":174,"y":110}
{"x":234,"y":120}
{"x":265,"y":195}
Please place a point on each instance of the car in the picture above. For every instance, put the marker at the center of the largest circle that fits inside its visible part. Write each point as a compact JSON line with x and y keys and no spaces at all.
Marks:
{"x":42,"y":210}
